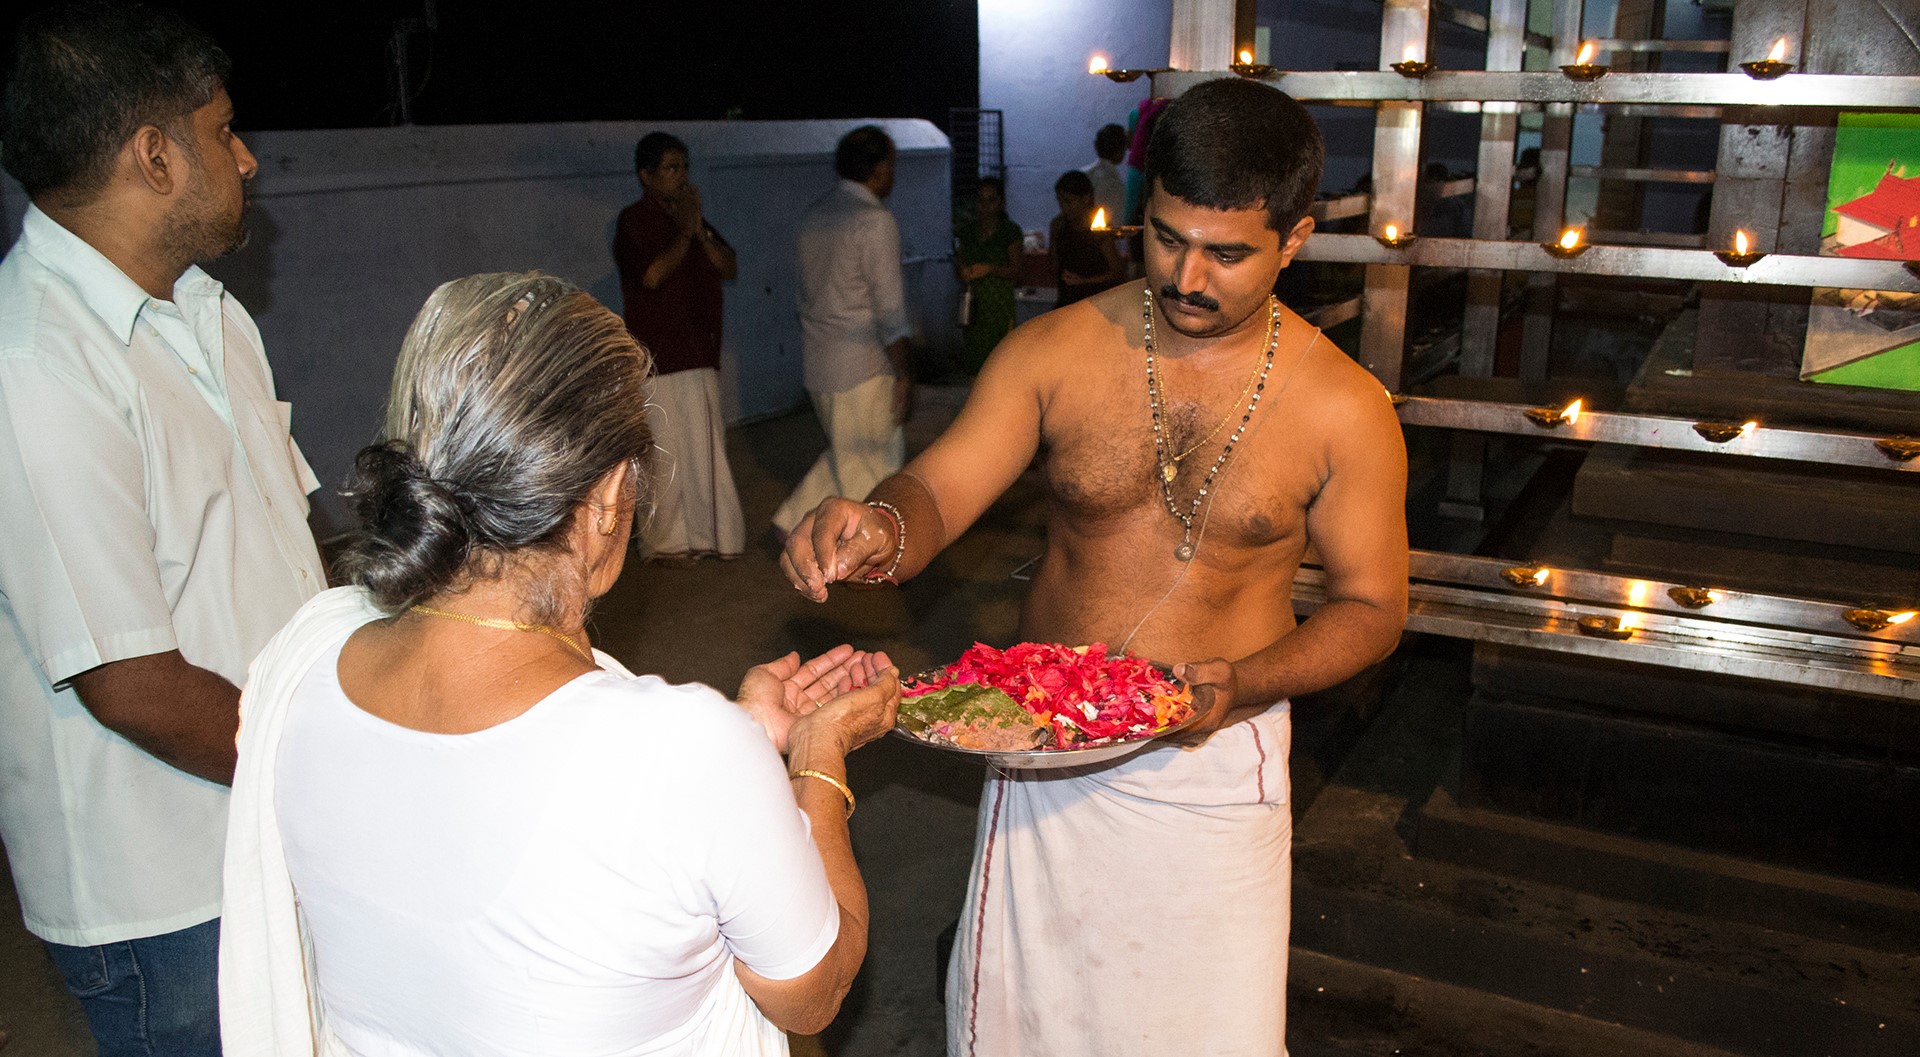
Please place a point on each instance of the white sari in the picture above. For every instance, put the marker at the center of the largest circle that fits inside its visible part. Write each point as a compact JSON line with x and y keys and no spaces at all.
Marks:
{"x":267,"y":1008}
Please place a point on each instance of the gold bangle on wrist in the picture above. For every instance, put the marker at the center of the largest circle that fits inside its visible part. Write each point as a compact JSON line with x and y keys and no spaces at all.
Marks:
{"x":830,"y":780}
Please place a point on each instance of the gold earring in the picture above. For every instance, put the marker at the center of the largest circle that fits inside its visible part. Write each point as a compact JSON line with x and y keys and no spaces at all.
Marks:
{"x":607,"y":526}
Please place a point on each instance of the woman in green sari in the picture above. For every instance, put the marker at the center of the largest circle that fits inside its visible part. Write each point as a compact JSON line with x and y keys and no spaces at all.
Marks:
{"x":986,"y":253}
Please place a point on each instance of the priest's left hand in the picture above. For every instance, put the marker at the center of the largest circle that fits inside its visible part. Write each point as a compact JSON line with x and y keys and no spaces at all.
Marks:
{"x":1215,"y":692}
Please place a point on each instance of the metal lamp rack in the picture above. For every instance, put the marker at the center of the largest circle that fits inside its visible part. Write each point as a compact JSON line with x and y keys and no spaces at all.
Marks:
{"x":1756,"y":636}
{"x":1731,"y":439}
{"x":1869,"y":649}
{"x":1647,"y":262}
{"x":1854,"y":92}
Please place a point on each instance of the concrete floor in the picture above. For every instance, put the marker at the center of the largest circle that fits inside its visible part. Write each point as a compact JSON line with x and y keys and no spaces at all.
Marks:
{"x":1394,"y":952}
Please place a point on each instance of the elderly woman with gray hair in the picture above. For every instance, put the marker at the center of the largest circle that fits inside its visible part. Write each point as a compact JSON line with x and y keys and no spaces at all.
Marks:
{"x":458,"y":830}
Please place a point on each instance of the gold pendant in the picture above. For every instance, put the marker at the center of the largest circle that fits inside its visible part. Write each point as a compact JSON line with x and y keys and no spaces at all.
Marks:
{"x":1168,"y":471}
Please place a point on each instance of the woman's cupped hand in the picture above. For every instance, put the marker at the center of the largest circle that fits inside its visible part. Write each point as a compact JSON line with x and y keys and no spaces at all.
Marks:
{"x":850,"y":695}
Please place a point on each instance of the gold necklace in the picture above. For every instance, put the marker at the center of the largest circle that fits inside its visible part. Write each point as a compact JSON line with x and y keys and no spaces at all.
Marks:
{"x":1172,"y":469}
{"x":505,"y":625}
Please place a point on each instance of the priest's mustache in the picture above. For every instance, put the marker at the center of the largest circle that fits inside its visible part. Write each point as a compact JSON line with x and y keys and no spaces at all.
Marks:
{"x":1194,"y":300}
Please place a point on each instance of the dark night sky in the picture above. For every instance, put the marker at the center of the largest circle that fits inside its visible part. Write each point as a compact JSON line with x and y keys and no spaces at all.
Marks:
{"x":328,"y":65}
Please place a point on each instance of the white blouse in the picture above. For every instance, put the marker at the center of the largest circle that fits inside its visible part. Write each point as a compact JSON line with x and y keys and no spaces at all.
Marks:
{"x":576,"y":880}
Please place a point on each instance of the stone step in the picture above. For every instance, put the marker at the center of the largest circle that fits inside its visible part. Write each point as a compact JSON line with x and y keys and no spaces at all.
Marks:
{"x":1342,"y":1008}
{"x":1820,"y":906}
{"x":1726,"y":789}
{"x":1360,"y":895}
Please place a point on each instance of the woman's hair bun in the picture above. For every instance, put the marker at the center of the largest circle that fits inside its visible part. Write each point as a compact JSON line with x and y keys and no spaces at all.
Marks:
{"x":415,"y":535}
{"x":514,"y":394}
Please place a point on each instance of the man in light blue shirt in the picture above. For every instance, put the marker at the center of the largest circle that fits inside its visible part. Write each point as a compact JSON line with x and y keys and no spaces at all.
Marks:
{"x":153,"y":505}
{"x":853,"y":327}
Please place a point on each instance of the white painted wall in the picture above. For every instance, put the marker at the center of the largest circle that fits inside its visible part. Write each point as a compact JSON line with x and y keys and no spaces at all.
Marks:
{"x":1033,"y":66}
{"x":1033,"y":62}
{"x":353,"y":228}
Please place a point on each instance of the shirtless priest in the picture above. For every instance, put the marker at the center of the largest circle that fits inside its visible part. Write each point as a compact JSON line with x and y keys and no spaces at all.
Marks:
{"x":1196,"y":437}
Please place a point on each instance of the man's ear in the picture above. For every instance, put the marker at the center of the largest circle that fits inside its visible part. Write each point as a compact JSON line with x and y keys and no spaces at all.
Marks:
{"x":1294,"y":240}
{"x":155,"y":159}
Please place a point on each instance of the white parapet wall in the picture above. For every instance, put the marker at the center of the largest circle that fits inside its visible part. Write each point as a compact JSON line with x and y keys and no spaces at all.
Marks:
{"x":353,"y":228}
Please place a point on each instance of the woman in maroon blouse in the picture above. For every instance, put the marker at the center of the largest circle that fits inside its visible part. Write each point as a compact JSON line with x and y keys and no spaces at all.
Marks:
{"x":672,"y":263}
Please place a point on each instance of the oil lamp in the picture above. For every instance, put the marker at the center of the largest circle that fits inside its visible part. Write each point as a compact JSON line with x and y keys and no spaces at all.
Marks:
{"x":1410,"y":67}
{"x":1772,"y":66}
{"x":1615,"y":628}
{"x":1693,"y":597}
{"x":1098,"y":65}
{"x":1569,"y":246}
{"x":1876,"y":619}
{"x":1742,"y":253}
{"x":1393,"y":238}
{"x":1722,"y":432}
{"x":1527,"y":576}
{"x":1100,"y":226}
{"x":1899,"y":448}
{"x":1551,"y":418}
{"x":1246,"y":67}
{"x":1583,"y":68}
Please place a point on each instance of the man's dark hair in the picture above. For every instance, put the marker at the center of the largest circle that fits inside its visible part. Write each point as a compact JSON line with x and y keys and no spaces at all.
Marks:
{"x":1234,"y":144}
{"x":1074,"y":182}
{"x":994,"y":182}
{"x":653,"y":147}
{"x":86,"y":77}
{"x":1110,"y":142}
{"x":861,"y":151}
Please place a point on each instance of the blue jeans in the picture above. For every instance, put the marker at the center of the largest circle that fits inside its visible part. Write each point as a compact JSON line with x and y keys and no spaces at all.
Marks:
{"x":152,"y":997}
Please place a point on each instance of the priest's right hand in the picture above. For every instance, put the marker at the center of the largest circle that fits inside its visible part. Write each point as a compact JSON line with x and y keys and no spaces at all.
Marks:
{"x":840,"y":540}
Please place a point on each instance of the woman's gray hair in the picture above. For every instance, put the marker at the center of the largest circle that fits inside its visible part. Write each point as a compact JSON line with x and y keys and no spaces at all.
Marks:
{"x":514,"y":394}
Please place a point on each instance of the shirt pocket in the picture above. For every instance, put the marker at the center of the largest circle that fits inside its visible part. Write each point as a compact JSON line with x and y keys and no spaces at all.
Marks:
{"x":283,"y":473}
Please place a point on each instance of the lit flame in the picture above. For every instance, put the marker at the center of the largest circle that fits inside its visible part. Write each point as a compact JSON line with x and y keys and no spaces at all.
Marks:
{"x":1391,"y":232}
{"x":1747,"y":427}
{"x":1099,"y":219}
{"x":1585,"y":56}
{"x":1572,"y":413}
{"x":1246,"y":57}
{"x":1570,"y":239}
{"x":1628,"y":621}
{"x":1097,"y":64}
{"x":1779,"y":52}
{"x":1412,"y":55}
{"x":1901,"y":618}
{"x":1741,"y":243}
{"x":1637,"y":593}
{"x":1541,"y":576}
{"x":1713,"y":596}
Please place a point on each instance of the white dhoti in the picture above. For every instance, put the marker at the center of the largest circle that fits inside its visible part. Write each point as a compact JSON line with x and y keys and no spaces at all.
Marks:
{"x":864,"y":447}
{"x":696,"y":508}
{"x":1139,"y":908}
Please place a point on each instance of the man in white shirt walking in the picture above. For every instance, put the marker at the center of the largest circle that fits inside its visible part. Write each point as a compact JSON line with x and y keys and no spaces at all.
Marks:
{"x":853,"y":325}
{"x":1109,"y":183}
{"x":153,"y":505}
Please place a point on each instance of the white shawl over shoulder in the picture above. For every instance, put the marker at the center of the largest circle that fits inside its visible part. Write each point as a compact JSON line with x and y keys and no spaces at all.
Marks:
{"x":267,"y":1008}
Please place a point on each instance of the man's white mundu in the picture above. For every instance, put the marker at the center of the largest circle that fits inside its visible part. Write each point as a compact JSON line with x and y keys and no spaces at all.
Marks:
{"x":1105,"y":900}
